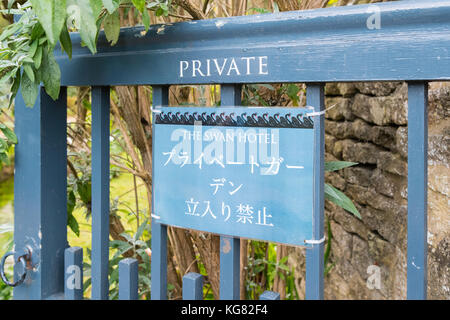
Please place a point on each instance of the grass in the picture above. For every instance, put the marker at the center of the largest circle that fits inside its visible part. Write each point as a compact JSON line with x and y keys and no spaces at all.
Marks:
{"x":6,"y":211}
{"x":121,"y":187}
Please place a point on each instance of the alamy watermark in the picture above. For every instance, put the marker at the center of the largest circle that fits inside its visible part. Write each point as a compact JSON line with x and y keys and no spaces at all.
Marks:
{"x":374,"y":20}
{"x":237,"y":146}
{"x":374,"y":280}
{"x":73,"y":280}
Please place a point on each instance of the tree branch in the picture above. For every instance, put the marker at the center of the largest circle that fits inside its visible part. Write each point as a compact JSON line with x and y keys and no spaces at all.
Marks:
{"x":196,"y":13}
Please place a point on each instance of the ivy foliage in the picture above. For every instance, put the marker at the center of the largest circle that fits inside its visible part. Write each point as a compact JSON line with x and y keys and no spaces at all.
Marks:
{"x":336,"y":196}
{"x":27,"y":46}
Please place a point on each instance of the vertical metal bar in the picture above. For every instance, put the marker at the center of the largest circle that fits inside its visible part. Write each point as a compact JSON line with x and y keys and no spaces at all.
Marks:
{"x":193,"y":286}
{"x":269,"y":295}
{"x":314,"y":255}
{"x":229,"y":268}
{"x":230,"y":95}
{"x":73,"y":273}
{"x":128,"y":279}
{"x":159,"y":231}
{"x":417,"y":190}
{"x":40,"y":193}
{"x":159,"y":261}
{"x":100,"y":193}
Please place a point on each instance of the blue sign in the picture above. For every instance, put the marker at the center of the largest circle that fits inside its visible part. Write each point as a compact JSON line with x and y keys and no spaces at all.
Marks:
{"x":244,"y":172}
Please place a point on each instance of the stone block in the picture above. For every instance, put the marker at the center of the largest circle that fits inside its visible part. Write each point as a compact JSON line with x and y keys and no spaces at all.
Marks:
{"x":392,"y":163}
{"x":377,"y":88}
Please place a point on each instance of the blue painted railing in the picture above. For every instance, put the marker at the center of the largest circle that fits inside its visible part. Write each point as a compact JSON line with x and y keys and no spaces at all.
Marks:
{"x":411,"y":43}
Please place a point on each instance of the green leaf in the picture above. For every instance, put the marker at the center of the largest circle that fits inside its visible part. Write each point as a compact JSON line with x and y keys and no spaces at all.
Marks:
{"x":6,"y":64}
{"x":117,"y":244}
{"x":111,"y":5}
{"x":66,"y":42}
{"x":38,"y":57}
{"x":8,"y":75}
{"x":3,"y":145}
{"x":29,"y":90}
{"x":127,"y":236}
{"x":10,"y":3}
{"x":86,"y":21}
{"x":73,"y":224}
{"x":37,"y":31}
{"x":328,"y":248}
{"x":328,"y":269}
{"x":9,"y":31}
{"x":97,"y":7}
{"x":15,"y":87}
{"x":139,"y":4}
{"x":292,"y":91}
{"x":4,"y":158}
{"x":159,"y":12}
{"x":51,"y":74}
{"x":275,"y":7}
{"x":111,"y":25}
{"x":71,"y":201}
{"x":259,"y":10}
{"x":33,"y":48}
{"x":51,"y":15}
{"x":27,"y":59}
{"x":84,"y":191}
{"x":123,"y":249}
{"x":88,"y":26}
{"x":9,"y":134}
{"x":338,"y":165}
{"x":146,"y":20}
{"x":164,"y":6}
{"x":29,"y":72}
{"x":337,"y":197}
{"x":140,"y":230}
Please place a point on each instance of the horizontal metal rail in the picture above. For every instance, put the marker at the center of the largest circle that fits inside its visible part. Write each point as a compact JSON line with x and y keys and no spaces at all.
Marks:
{"x":404,"y":40}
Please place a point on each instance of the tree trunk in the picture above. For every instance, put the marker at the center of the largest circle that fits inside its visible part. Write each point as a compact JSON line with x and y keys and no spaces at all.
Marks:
{"x":208,"y":246}
{"x":279,"y":282}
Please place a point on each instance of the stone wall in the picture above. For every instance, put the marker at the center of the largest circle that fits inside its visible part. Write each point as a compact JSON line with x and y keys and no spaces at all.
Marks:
{"x":368,"y":125}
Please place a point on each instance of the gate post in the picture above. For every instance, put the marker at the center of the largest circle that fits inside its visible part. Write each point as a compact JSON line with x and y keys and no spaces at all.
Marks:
{"x":40,"y":193}
{"x":100,"y":193}
{"x":314,"y":255}
{"x":159,"y":231}
{"x":229,"y":246}
{"x":417,"y":190}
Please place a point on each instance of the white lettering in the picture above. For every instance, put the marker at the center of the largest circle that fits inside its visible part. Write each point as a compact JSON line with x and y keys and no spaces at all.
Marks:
{"x":220,"y":70}
{"x":183,"y":68}
{"x":208,"y":67}
{"x":234,"y":67}
{"x":224,"y":66}
{"x":196,"y":64}
{"x":247,"y":59}
{"x":261,"y":65}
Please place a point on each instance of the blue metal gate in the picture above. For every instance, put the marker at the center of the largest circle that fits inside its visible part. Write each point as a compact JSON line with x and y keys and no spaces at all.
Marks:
{"x":411,"y":44}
